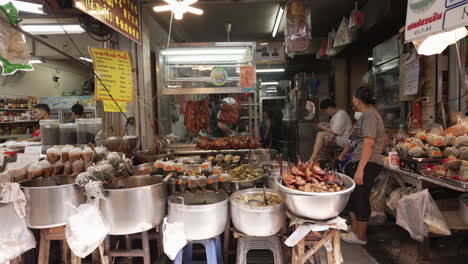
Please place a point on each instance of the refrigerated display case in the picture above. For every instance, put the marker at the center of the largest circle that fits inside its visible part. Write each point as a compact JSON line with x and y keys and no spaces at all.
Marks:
{"x":193,"y":72}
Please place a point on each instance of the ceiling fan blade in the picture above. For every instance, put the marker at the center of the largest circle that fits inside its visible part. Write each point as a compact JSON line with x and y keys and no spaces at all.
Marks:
{"x":162,"y":8}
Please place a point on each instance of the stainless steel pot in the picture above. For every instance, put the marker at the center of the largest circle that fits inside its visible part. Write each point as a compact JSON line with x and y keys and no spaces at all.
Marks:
{"x":318,"y":206}
{"x":272,"y":169}
{"x":259,"y":156}
{"x":257,"y":221}
{"x":49,"y":200}
{"x":242,"y":185}
{"x":205,"y":215}
{"x":132,"y":209}
{"x":144,"y":169}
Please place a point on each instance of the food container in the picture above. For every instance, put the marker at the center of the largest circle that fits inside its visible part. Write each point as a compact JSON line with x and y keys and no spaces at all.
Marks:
{"x":271,"y":170}
{"x":87,"y":129}
{"x":204,"y":215}
{"x":143,"y":169}
{"x":317,"y":206}
{"x":51,"y":200}
{"x":125,"y":144}
{"x":68,"y":134}
{"x":257,"y":221}
{"x":49,"y":132}
{"x":134,"y":204}
{"x":260,"y":156}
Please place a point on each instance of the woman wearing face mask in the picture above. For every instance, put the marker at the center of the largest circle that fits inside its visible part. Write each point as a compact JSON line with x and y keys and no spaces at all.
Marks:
{"x":366,"y":162}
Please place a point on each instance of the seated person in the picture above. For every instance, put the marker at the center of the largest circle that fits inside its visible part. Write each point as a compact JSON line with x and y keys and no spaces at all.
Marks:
{"x":334,"y":134}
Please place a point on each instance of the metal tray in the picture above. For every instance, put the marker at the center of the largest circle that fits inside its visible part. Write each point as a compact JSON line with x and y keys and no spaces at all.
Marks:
{"x":460,"y":184}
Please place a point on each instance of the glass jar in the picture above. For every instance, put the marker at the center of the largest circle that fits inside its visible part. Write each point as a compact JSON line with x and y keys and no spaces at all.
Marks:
{"x":49,"y":132}
{"x":87,"y":129}
{"x":68,"y":134}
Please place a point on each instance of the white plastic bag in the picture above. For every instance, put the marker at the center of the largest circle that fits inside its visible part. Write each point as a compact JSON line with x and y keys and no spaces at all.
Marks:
{"x":174,"y":238}
{"x":378,"y":198}
{"x":419,"y":215}
{"x":397,"y":194}
{"x":343,"y":35}
{"x":331,"y":51}
{"x":86,"y":230}
{"x":15,"y":237}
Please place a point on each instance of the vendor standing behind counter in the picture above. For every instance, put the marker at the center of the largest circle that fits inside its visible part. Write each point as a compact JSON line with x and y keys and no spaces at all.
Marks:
{"x":367,"y":140}
{"x":41,"y":112}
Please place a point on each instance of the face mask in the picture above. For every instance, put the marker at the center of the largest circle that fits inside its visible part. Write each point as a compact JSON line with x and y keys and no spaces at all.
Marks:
{"x":357,"y":115}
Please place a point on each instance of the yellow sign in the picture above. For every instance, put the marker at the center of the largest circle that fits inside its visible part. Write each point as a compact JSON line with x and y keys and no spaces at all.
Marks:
{"x":114,"y":68}
{"x":110,"y":106}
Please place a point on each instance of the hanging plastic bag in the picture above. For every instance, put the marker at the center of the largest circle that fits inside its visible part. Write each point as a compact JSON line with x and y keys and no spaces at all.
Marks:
{"x":174,"y":238}
{"x":378,"y":198}
{"x":419,"y":215}
{"x":343,"y":35}
{"x":15,"y":238}
{"x":397,"y":194}
{"x":298,"y":28}
{"x":86,"y":230}
{"x":14,"y":53}
{"x":356,"y":19}
{"x":331,"y":51}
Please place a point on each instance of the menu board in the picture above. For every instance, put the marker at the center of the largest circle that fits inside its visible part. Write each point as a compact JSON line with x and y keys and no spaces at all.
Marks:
{"x":114,"y":68}
{"x":247,"y":76}
{"x":121,"y":15}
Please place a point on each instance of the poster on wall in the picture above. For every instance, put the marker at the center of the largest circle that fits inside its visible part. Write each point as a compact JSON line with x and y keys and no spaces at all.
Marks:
{"x":114,"y":68}
{"x":247,"y":77}
{"x":68,"y":101}
{"x":122,"y":15}
{"x":270,"y":52}
{"x":429,"y":17}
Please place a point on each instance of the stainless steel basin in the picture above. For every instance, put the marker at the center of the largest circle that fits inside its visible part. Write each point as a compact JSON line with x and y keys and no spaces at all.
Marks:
{"x":50,"y":200}
{"x":134,"y":204}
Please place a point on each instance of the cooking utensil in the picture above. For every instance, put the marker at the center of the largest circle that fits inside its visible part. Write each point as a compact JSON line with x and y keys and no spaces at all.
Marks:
{"x":265,"y":196}
{"x":205,"y":215}
{"x":318,"y":206}
{"x":134,"y":210}
{"x":257,"y":221}
{"x":49,"y":200}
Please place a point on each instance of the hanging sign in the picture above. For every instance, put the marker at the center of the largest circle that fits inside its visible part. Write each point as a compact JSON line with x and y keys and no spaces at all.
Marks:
{"x":121,"y":15}
{"x":114,"y":68}
{"x":429,"y":17}
{"x":219,"y":76}
{"x":247,"y":76}
{"x":110,"y":106}
{"x":412,"y":75}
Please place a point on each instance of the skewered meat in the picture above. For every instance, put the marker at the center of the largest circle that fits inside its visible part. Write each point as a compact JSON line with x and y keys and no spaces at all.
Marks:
{"x":234,"y":142}
{"x":197,"y":116}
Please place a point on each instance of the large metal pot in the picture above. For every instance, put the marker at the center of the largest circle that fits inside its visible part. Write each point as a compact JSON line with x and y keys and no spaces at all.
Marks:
{"x":51,"y":200}
{"x":132,"y":209}
{"x":272,"y":169}
{"x":205,"y":215}
{"x":257,"y":221}
{"x":318,"y":206}
{"x":242,"y":185}
{"x":259,"y":156}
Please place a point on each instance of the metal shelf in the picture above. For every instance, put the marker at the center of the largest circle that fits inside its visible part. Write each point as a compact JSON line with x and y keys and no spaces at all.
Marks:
{"x":18,"y":122}
{"x":273,"y":97}
{"x":15,"y":136}
{"x":15,"y":109}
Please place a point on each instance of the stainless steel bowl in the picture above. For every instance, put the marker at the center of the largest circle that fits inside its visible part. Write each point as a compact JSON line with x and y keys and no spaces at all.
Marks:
{"x":257,"y":221}
{"x":135,"y":209}
{"x":143,"y":169}
{"x":205,"y":215}
{"x":124,"y":144}
{"x":242,"y":185}
{"x":318,"y":206}
{"x":51,"y":200}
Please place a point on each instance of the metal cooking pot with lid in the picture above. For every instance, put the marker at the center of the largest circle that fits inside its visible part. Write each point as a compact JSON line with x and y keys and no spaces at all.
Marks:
{"x":205,"y":215}
{"x":134,"y":204}
{"x":50,"y":200}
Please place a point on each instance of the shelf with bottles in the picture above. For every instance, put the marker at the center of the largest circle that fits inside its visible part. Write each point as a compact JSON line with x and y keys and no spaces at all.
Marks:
{"x":16,"y":116}
{"x":15,"y":130}
{"x":24,"y":103}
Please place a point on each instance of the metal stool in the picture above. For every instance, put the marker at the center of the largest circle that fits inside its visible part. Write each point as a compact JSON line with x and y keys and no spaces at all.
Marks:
{"x":247,"y":243}
{"x":212,"y":248}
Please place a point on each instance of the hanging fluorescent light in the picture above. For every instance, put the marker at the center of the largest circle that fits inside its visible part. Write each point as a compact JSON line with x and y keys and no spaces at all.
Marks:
{"x":26,"y":6}
{"x":50,"y":29}
{"x":270,"y":70}
{"x":179,"y":8}
{"x":205,"y":58}
{"x":370,"y":59}
{"x":269,"y":83}
{"x":86,"y":59}
{"x":279,"y":16}
{"x":36,"y":61}
{"x":437,"y":43}
{"x":223,"y":51}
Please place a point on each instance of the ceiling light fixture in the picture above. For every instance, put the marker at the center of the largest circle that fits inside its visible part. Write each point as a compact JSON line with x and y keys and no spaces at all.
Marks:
{"x":269,"y":83}
{"x":26,"y":6}
{"x":35,"y":61}
{"x":270,"y":70}
{"x":50,"y":29}
{"x":437,"y":43}
{"x":279,"y":16}
{"x":214,"y":51}
{"x":179,"y":8}
{"x":205,"y":58}
{"x":370,"y":59}
{"x":86,"y":59}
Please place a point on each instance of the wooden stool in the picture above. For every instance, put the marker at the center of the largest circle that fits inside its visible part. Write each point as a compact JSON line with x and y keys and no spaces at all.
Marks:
{"x":129,"y":252}
{"x":56,"y":233}
{"x":316,"y":241}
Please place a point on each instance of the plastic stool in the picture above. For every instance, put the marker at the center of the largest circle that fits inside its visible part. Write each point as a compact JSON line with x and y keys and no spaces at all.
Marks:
{"x":247,"y":243}
{"x":212,"y":248}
